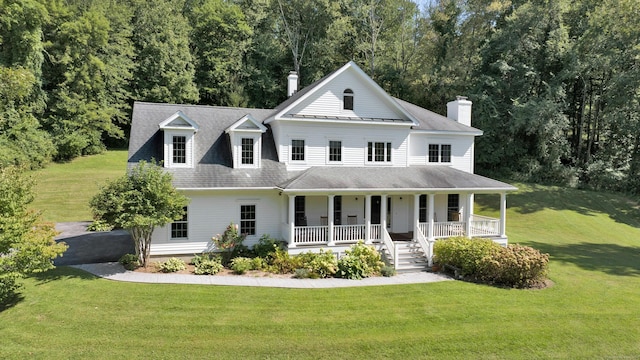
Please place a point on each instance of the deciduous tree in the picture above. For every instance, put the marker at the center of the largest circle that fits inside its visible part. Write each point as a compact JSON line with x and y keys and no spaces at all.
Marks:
{"x":139,"y":202}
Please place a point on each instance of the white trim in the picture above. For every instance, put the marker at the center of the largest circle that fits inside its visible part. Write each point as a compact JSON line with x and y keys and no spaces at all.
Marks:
{"x":448,"y":132}
{"x":178,"y":114}
{"x":328,"y":151}
{"x":247,"y":118}
{"x":367,"y":80}
{"x":306,"y":150}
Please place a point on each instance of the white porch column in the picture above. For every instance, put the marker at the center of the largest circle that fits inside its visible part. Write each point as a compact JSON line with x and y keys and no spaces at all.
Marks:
{"x":292,"y":222}
{"x":330,"y":221}
{"x":430,"y":236}
{"x":430,"y":215}
{"x":416,"y":214}
{"x":383,"y":214}
{"x":367,"y":215}
{"x":467,"y":215}
{"x":503,"y":214}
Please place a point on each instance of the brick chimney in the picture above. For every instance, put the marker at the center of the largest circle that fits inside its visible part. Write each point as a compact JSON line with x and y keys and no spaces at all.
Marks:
{"x":292,"y":83}
{"x":460,"y":110}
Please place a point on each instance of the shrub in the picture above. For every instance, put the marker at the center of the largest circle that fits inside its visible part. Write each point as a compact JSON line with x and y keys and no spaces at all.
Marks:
{"x":322,"y":264}
{"x":259,"y":263}
{"x":130,"y":261}
{"x":206,"y":264}
{"x":8,"y":286}
{"x":359,"y":261}
{"x":515,"y":266}
{"x":228,"y":241}
{"x":388,"y":271}
{"x":463,"y":253}
{"x":282,"y":263}
{"x":240,"y":265}
{"x":267,"y":245}
{"x":172,"y":265}
{"x":99,"y":225}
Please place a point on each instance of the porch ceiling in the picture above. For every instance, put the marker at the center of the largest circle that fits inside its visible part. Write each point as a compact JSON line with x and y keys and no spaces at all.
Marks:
{"x":392,"y":179}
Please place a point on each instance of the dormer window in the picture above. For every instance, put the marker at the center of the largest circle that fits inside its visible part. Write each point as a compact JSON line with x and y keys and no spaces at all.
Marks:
{"x":179,"y":138}
{"x":245,"y":136}
{"x":347,"y":99}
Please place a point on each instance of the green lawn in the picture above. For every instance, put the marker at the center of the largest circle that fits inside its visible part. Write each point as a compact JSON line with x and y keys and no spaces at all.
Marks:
{"x":592,"y":311}
{"x":63,"y":190}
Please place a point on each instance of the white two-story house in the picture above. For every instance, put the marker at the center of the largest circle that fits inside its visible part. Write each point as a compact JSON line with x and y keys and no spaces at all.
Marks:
{"x":338,"y":162}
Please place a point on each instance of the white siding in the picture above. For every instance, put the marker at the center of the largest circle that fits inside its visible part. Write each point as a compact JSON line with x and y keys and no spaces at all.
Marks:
{"x":354,"y":138}
{"x":211,"y":212}
{"x":327,"y":100}
{"x":461,"y":150}
{"x":168,"y":147}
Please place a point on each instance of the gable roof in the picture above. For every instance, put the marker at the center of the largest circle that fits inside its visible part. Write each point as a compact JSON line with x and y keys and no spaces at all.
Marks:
{"x":282,"y":110}
{"x":179,"y":121}
{"x":247,"y":123}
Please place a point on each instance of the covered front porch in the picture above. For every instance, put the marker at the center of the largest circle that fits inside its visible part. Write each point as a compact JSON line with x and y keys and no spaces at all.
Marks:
{"x":340,"y":220}
{"x":336,"y":207}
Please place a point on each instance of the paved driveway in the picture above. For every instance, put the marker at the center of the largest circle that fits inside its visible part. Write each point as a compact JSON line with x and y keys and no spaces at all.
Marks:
{"x":87,"y":247}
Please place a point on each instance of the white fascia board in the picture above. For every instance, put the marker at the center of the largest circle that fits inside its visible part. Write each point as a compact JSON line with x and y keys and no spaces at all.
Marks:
{"x":448,"y":132}
{"x":260,"y":128}
{"x":179,"y":114}
{"x":399,"y":191}
{"x":336,"y":121}
{"x":226,"y":188}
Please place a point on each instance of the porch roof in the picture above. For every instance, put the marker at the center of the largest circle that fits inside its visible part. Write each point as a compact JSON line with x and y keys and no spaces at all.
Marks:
{"x":435,"y":178}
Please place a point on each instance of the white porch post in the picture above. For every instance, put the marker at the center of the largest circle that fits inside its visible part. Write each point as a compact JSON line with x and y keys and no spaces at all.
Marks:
{"x":383,"y":214}
{"x":467,"y":215}
{"x":367,"y":215}
{"x":416,"y":214}
{"x":503,"y":214}
{"x":292,"y":215}
{"x":430,"y":215}
{"x":330,"y":220}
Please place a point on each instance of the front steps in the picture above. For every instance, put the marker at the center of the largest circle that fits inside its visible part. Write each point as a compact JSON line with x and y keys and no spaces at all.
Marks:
{"x":409,"y":257}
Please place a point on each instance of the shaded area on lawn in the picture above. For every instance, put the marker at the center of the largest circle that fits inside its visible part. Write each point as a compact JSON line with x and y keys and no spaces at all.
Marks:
{"x":62,"y":273}
{"x":534,"y":198}
{"x":611,"y":259}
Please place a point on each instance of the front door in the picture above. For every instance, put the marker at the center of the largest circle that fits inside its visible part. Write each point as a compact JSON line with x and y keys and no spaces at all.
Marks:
{"x":376,"y":209}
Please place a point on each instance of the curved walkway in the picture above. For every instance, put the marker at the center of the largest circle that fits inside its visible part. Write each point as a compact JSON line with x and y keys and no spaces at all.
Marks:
{"x":115,"y":271}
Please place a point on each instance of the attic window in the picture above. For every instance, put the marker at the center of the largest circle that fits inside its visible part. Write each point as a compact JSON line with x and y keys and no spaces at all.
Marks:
{"x":347,"y":99}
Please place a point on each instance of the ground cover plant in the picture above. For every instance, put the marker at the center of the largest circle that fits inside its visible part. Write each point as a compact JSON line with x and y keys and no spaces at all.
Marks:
{"x":589,"y":312}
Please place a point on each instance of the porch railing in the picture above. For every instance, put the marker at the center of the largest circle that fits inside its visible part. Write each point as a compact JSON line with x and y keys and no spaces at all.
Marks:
{"x":448,"y":229}
{"x":484,"y":226}
{"x":348,"y":233}
{"x":307,"y":235}
{"x":391,"y":248}
{"x":422,"y":241}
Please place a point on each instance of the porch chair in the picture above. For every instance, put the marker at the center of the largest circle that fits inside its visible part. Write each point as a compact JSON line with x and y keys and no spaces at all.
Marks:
{"x":324,"y":221}
{"x":352,"y":219}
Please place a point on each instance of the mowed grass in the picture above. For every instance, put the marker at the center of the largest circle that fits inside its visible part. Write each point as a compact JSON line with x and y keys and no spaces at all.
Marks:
{"x":591,"y":312}
{"x":63,"y":190}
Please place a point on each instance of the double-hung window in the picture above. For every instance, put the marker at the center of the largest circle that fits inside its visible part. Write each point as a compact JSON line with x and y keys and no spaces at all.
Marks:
{"x":422,"y":216}
{"x":347,"y":99}
{"x":440,"y":153}
{"x":179,"y":150}
{"x":247,"y":151}
{"x":180,"y":228}
{"x":378,"y":151}
{"x":297,"y":150}
{"x":248,"y":219}
{"x":335,"y":151}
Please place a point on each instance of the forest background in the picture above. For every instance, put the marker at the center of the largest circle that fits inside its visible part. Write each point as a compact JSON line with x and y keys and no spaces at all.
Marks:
{"x":555,"y":83}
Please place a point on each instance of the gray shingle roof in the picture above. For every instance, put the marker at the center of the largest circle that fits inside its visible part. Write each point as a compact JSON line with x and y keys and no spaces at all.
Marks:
{"x":432,"y":121}
{"x":435,"y":177}
{"x":212,"y":154}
